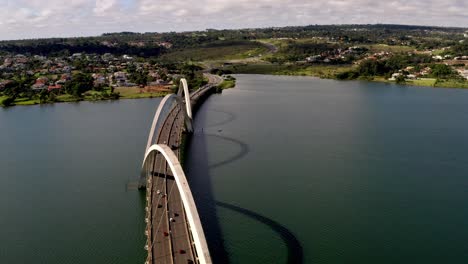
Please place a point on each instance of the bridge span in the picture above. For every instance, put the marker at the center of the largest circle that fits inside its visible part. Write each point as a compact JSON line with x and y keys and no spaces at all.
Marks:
{"x":173,"y":228}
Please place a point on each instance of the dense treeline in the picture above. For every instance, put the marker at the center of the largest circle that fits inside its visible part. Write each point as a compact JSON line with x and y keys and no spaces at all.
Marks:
{"x":297,"y":51}
{"x":59,"y":49}
{"x":148,"y":44}
{"x":459,"y":49}
{"x":371,"y":67}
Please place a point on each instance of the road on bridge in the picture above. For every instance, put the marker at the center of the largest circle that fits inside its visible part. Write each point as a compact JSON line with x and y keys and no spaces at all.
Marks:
{"x":169,"y":232}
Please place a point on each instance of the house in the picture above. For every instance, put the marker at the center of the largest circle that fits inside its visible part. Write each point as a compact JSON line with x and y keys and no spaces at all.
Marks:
{"x":426,"y":71}
{"x":56,"y":87}
{"x":67,"y":69}
{"x":166,"y":45}
{"x":107,"y":57}
{"x":38,"y":87}
{"x":3,"y":84}
{"x":99,"y":79}
{"x":8,"y":62}
{"x":40,"y":84}
{"x":120,"y":75}
{"x":395,"y":76}
{"x":463,"y":73}
{"x":20,"y":58}
{"x":313,"y":58}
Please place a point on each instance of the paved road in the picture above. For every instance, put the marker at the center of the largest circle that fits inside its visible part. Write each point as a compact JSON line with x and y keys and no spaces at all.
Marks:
{"x":169,"y":237}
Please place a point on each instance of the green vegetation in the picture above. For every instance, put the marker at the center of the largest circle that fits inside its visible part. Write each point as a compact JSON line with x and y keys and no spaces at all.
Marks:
{"x":322,"y":71}
{"x":451,"y":84}
{"x":136,"y":93}
{"x":142,"y":65}
{"x":67,"y":98}
{"x":6,"y":101}
{"x":389,"y":48}
{"x":423,"y":82}
{"x":221,"y":50}
{"x":79,"y":84}
{"x":228,"y":82}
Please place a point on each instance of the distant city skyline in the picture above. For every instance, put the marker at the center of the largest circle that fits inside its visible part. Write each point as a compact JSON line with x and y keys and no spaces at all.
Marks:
{"x":23,"y":19}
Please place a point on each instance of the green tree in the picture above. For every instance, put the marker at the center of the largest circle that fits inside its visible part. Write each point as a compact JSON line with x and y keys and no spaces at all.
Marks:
{"x":441,"y":71}
{"x":79,"y":84}
{"x":8,"y":101}
{"x":400,"y":79}
{"x":43,"y":96}
{"x":140,"y":77}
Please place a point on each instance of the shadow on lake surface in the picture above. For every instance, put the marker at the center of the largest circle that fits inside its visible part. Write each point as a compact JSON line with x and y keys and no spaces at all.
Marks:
{"x":230,"y":117}
{"x":244,"y":150}
{"x":295,"y":251}
{"x":201,"y":184}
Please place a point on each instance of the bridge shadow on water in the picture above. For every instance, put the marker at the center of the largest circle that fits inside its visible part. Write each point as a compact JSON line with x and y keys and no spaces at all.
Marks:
{"x":244,"y":150}
{"x":230,"y":117}
{"x":198,"y":174}
{"x":197,"y":170}
{"x":295,"y":251}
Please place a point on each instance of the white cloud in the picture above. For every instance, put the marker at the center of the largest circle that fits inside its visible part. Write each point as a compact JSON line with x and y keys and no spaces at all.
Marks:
{"x":103,"y":6}
{"x":21,"y":18}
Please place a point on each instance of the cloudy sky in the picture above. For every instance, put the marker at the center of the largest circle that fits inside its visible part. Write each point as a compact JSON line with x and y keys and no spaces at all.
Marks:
{"x":56,"y":18}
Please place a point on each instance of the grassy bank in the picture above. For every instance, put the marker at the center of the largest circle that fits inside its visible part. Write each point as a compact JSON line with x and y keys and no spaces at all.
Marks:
{"x":330,"y":72}
{"x":322,"y":71}
{"x":123,"y":93}
{"x":428,"y":82}
{"x":226,"y":84}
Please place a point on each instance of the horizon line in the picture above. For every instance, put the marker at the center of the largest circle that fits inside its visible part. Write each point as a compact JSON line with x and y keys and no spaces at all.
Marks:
{"x":221,"y":29}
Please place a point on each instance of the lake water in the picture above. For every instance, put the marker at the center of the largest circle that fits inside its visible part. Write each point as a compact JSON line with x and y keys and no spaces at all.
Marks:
{"x":284,"y":170}
{"x":320,"y":171}
{"x":64,"y":172}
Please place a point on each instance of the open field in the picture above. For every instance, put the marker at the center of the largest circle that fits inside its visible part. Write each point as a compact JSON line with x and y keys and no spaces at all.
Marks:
{"x":323,"y":71}
{"x":241,"y":50}
{"x":387,"y":48}
{"x":423,"y":82}
{"x":136,"y":92}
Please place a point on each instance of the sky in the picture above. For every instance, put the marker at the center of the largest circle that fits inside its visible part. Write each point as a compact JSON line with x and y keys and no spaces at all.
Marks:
{"x":20,"y":19}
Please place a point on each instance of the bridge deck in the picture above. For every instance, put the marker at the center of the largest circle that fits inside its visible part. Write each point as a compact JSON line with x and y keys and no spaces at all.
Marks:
{"x":169,"y":238}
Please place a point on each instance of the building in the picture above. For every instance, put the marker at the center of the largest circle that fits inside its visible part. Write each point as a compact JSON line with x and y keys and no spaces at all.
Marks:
{"x":40,"y":84}
{"x":56,"y":87}
{"x":463,"y":73}
{"x":3,"y":84}
{"x":99,"y":79}
{"x":395,"y":76}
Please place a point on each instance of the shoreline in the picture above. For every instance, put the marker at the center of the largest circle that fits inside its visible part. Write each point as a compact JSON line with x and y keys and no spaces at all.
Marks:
{"x":30,"y":103}
{"x":377,"y":79}
{"x":329,"y":73}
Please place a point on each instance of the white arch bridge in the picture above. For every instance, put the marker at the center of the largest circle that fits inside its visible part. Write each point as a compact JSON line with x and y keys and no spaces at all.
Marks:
{"x":173,"y":228}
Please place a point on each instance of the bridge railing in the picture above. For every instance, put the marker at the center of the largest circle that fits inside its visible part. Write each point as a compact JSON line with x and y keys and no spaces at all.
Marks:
{"x":195,"y":227}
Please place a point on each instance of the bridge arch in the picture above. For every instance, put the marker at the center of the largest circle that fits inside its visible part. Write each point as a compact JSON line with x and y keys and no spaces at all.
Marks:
{"x":183,"y":88}
{"x":160,"y":116}
{"x":187,"y":199}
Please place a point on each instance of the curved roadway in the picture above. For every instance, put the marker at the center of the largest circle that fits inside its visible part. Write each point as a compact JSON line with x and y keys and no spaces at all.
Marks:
{"x":169,"y":237}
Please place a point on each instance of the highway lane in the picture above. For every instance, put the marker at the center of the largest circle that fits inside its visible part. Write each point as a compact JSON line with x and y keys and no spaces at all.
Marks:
{"x":169,"y":236}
